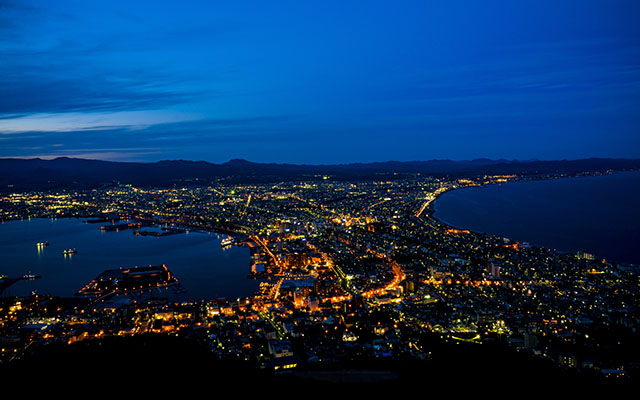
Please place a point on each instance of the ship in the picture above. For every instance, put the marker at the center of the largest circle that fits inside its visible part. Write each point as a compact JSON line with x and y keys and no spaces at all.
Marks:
{"x":69,"y":252}
{"x":228,"y":241}
{"x":42,"y":244}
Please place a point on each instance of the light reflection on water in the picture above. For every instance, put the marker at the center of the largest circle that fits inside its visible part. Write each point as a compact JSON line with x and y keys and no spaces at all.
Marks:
{"x":196,"y":258}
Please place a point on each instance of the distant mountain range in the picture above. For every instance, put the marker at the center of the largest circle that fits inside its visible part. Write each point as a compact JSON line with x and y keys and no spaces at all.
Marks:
{"x":63,"y":172}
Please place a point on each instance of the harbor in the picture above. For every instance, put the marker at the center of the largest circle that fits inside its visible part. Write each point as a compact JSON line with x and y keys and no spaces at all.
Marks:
{"x":205,"y":268}
{"x":131,"y":280}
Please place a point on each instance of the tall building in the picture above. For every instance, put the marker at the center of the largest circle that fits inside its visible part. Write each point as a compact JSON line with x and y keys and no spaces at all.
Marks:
{"x":494,"y":270}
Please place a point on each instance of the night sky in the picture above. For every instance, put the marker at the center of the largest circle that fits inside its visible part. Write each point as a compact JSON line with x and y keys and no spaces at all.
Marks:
{"x":320,"y":82}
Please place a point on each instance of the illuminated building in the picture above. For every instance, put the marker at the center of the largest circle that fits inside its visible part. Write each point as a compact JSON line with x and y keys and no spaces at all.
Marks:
{"x":585,"y":256}
{"x":494,"y":270}
{"x":298,"y":299}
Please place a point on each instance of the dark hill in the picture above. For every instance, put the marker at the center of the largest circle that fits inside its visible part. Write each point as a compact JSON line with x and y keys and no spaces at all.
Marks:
{"x":38,"y":174}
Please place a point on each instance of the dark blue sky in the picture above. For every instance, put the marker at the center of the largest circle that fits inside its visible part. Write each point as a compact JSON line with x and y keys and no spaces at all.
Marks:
{"x":320,"y":82}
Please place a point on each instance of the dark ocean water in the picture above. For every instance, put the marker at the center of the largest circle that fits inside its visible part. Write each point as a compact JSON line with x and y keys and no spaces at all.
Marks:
{"x":195,"y":258}
{"x":598,"y":215}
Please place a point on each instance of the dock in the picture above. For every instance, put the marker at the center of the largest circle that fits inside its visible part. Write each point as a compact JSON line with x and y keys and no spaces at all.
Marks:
{"x":130,"y":280}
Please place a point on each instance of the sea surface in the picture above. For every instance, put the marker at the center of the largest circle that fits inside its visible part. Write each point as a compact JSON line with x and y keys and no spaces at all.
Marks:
{"x":596,"y":214}
{"x":202,"y":267}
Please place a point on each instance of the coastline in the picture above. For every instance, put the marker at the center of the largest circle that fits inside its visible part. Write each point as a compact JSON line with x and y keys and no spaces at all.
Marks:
{"x":432,"y":210}
{"x":197,"y":260}
{"x":188,"y":227}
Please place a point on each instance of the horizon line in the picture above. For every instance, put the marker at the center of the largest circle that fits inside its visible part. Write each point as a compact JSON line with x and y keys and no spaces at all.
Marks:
{"x":232,"y":160}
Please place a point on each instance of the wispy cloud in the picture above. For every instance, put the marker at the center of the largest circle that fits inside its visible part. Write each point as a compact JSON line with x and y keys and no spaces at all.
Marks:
{"x":49,"y":68}
{"x":164,"y":139}
{"x":90,"y":121}
{"x":96,"y":154}
{"x":27,"y":88}
{"x":105,"y":78}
